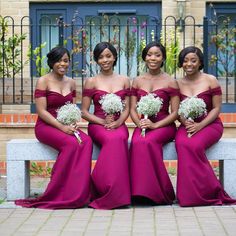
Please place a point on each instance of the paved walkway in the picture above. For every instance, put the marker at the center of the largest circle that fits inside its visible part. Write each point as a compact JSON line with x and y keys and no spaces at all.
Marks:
{"x":139,"y":220}
{"x":133,"y":221}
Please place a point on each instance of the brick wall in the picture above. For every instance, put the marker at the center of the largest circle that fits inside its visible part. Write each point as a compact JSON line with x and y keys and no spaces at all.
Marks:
{"x":22,"y":126}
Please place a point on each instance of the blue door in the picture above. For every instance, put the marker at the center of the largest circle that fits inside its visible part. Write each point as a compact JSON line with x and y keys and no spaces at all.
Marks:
{"x":83,"y":25}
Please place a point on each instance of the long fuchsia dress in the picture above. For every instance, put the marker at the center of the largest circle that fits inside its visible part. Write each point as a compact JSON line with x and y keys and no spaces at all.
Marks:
{"x":149,"y":177}
{"x":197,"y":184}
{"x":69,"y":186}
{"x":110,"y":177}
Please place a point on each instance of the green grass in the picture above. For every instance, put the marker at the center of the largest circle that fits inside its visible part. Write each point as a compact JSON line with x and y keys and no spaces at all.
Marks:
{"x":171,"y":170}
{"x":1,"y":201}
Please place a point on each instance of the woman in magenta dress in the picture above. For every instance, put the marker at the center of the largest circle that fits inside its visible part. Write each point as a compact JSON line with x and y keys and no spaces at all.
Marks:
{"x":110,"y":177}
{"x":69,"y":186}
{"x":197,"y":184}
{"x":149,"y":177}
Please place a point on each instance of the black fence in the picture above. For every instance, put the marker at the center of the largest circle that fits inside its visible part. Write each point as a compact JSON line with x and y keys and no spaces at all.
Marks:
{"x":24,"y":45}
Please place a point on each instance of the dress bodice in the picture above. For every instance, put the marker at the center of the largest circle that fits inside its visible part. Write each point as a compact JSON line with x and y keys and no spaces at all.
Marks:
{"x":207,"y":98}
{"x":96,"y":95}
{"x":164,"y":93}
{"x":54,"y":99}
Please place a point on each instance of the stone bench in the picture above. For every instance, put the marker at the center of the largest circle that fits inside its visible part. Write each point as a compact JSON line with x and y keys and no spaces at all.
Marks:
{"x":21,"y":151}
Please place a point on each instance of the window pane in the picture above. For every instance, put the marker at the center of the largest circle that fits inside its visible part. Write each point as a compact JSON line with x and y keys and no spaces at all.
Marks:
{"x":49,"y":32}
{"x":127,"y":35}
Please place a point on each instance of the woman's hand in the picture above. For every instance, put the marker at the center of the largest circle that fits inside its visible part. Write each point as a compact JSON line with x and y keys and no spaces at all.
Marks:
{"x":192,"y":127}
{"x":68,"y":129}
{"x":113,"y":125}
{"x":77,"y":125}
{"x":146,"y":124}
{"x":109,"y":119}
{"x":183,"y":120}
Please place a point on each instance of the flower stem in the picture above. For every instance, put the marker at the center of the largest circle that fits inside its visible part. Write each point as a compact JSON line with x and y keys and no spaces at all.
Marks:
{"x":143,"y":133}
{"x":76,"y":133}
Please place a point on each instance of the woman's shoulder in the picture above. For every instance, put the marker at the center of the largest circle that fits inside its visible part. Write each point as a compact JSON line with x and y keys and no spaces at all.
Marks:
{"x":90,"y":83}
{"x":137,"y":82}
{"x":212,"y":80}
{"x":72,"y":83}
{"x":171,"y":82}
{"x":122,"y":77}
{"x":42,"y":82}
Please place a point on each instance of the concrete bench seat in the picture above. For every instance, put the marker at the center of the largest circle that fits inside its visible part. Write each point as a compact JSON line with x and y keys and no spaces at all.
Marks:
{"x":21,"y":151}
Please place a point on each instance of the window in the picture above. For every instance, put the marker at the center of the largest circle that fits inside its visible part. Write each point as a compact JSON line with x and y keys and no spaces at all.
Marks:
{"x":77,"y":30}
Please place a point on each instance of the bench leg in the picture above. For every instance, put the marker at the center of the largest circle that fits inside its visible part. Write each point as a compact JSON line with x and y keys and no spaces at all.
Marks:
{"x":18,"y":180}
{"x":229,"y":177}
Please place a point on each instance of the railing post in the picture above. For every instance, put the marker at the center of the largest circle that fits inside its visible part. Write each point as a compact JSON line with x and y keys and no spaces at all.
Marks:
{"x":205,"y":43}
{"x":61,"y":25}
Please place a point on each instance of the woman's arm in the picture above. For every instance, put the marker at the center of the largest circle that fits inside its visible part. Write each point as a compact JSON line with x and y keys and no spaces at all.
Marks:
{"x":41,"y":107}
{"x":194,"y":127}
{"x":86,"y":103}
{"x":73,"y":88}
{"x":174,"y":106}
{"x":133,"y":106}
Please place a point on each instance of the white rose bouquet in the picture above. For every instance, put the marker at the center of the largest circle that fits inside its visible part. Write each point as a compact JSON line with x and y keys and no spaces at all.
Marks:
{"x":69,"y":114}
{"x":149,"y":105}
{"x":111,"y":103}
{"x":192,"y":108}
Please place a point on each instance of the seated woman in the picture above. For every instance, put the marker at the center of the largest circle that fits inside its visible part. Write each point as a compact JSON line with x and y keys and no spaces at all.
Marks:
{"x":69,"y":186}
{"x":150,"y":181}
{"x":197,"y":184}
{"x":110,"y":177}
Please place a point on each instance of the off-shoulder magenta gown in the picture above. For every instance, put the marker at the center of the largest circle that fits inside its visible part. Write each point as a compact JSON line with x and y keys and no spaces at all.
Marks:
{"x":149,"y":177}
{"x":197,"y":184}
{"x":69,"y":186}
{"x":110,"y":176}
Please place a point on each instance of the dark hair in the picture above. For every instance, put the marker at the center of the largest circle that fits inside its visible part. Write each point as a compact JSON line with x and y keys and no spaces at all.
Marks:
{"x":191,"y":49}
{"x":154,"y":44}
{"x":100,"y":47}
{"x":55,"y":55}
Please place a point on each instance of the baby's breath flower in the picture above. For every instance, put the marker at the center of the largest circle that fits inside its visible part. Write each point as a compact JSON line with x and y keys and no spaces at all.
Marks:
{"x":69,"y":114}
{"x":192,"y":108}
{"x":149,"y":105}
{"x":111,"y":103}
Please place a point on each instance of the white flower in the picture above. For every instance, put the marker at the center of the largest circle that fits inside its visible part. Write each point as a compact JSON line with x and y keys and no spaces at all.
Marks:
{"x":111,"y":103}
{"x":149,"y":105}
{"x":192,"y":108}
{"x":69,"y":114}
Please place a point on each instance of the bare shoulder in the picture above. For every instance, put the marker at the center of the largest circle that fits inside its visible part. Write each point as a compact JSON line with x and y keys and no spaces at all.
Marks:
{"x":123,"y":78}
{"x":89,"y":83}
{"x":72,"y":83}
{"x":171,"y":82}
{"x":138,"y":81}
{"x":42,"y":83}
{"x":212,"y":80}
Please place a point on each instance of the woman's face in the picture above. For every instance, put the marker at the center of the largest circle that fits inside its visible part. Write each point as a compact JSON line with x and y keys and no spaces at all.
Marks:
{"x":154,"y":58}
{"x":106,"y":60}
{"x":191,"y":63}
{"x":61,"y":67}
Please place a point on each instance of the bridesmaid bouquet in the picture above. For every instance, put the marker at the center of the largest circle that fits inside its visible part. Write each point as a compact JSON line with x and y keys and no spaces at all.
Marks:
{"x":192,"y":108}
{"x":69,"y":114}
{"x":111,"y":103}
{"x":149,"y":105}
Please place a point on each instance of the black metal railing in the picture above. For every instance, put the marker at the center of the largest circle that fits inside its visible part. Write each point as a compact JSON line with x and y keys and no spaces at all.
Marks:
{"x":24,"y":44}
